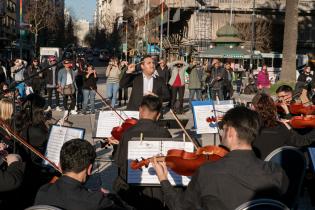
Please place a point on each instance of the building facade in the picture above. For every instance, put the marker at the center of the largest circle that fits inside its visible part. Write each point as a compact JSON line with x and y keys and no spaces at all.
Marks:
{"x":8,"y":25}
{"x":82,"y":29}
{"x":107,"y":12}
{"x":194,"y":22}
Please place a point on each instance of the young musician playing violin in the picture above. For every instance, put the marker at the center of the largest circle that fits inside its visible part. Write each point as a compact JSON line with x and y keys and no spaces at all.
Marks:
{"x":275,"y":133}
{"x":234,"y":179}
{"x":140,"y":197}
{"x":284,"y":98}
{"x":68,"y":192}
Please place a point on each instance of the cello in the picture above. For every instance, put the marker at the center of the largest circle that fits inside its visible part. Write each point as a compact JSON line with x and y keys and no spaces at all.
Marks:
{"x":182,"y":162}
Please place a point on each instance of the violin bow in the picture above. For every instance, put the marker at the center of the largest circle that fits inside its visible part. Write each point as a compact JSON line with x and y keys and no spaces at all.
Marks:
{"x":110,"y":106}
{"x":183,"y":129}
{"x":15,"y":136}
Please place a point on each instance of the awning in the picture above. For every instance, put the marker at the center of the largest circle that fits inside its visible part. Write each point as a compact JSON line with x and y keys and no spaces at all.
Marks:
{"x":225,"y":52}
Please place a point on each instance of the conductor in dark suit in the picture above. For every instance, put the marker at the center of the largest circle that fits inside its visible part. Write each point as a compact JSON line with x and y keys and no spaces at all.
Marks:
{"x":145,"y":83}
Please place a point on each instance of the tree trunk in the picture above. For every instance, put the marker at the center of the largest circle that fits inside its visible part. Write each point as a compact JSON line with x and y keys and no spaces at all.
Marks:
{"x":288,"y":72}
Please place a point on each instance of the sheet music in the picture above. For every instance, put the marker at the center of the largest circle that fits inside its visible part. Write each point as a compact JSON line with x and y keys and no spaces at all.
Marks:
{"x":201,"y":115}
{"x":107,"y":120}
{"x":57,"y":137}
{"x":147,"y":149}
{"x":202,"y":112}
{"x":105,"y":123}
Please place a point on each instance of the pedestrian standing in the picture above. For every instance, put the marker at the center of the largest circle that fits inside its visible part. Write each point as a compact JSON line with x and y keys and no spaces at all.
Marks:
{"x":196,"y":80}
{"x":89,"y":88}
{"x":51,"y":80}
{"x":113,"y":75}
{"x":177,"y":83}
{"x":263,"y":82}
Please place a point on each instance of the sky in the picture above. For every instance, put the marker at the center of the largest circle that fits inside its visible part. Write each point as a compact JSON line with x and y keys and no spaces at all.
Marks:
{"x":82,"y":9}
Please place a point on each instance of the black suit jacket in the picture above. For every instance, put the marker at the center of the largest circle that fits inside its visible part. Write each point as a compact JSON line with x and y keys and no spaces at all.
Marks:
{"x":136,"y":82}
{"x":68,"y":193}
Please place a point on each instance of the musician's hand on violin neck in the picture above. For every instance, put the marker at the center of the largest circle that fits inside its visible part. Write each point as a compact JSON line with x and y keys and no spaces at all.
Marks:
{"x":160,"y":169}
{"x":112,"y":140}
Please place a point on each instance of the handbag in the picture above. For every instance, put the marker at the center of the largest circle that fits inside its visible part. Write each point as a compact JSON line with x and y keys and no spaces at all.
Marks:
{"x":68,"y":90}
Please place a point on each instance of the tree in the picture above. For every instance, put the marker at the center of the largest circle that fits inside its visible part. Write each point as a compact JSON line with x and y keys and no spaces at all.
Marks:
{"x":288,"y":71}
{"x":262,"y":34}
{"x":40,"y":14}
{"x":69,"y":33}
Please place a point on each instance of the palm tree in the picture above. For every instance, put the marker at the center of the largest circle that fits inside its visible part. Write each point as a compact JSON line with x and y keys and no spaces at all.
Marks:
{"x":290,"y":41}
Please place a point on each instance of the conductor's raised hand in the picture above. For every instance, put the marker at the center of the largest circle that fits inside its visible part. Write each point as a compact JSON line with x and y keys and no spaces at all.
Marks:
{"x":160,"y":169}
{"x":131,"y":68}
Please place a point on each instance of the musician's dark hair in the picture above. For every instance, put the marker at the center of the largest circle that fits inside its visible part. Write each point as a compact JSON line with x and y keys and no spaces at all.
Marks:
{"x":246,"y":122}
{"x":267,"y":110}
{"x":284,"y":88}
{"x":76,"y":155}
{"x":153,"y":103}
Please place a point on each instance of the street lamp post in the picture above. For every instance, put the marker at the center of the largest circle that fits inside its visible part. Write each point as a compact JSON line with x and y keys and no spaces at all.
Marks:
{"x":252,"y":47}
{"x":21,"y":20}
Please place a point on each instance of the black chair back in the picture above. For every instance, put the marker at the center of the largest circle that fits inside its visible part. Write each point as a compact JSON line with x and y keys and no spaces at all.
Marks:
{"x":293,"y":163}
{"x":42,"y":207}
{"x":262,"y":204}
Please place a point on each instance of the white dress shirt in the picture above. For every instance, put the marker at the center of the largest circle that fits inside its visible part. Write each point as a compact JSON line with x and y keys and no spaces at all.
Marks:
{"x":147,"y":84}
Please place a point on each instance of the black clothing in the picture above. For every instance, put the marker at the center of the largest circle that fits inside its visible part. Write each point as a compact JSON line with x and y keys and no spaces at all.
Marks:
{"x":68,"y":193}
{"x":136,"y":82}
{"x":2,"y":74}
{"x":11,"y":178}
{"x":227,"y":183}
{"x":48,"y":75}
{"x":72,"y":102}
{"x":181,"y":91}
{"x":90,"y":82}
{"x":140,"y":197}
{"x":49,"y":92}
{"x":270,"y":139}
{"x":164,"y":74}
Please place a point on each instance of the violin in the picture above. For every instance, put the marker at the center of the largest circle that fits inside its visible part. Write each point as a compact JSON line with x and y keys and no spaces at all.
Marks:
{"x":303,"y":122}
{"x":12,"y":134}
{"x":300,"y":108}
{"x":182,"y":162}
{"x":119,"y":130}
{"x":213,"y":119}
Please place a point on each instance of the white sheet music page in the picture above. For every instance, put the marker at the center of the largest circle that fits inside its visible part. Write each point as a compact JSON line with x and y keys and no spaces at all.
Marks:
{"x":107,"y":120}
{"x":147,"y":149}
{"x":130,"y":114}
{"x":55,"y":142}
{"x":201,"y":114}
{"x":58,"y":136}
{"x":222,"y":107}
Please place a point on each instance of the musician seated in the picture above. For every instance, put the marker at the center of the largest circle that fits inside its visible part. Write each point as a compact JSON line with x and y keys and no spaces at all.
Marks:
{"x":284,"y":98}
{"x":11,"y":178}
{"x":151,"y":197}
{"x":275,"y":133}
{"x":236,"y":178}
{"x":68,"y":192}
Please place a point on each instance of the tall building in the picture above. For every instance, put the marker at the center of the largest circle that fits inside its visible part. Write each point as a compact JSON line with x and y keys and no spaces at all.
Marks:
{"x":107,"y":11}
{"x":7,"y":25}
{"x":82,"y":29}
